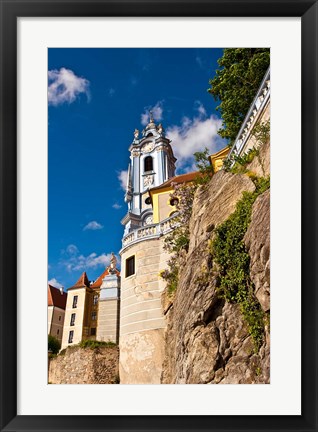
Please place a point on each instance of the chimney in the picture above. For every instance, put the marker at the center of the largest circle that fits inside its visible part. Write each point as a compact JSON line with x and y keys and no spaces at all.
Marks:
{"x":61,"y":290}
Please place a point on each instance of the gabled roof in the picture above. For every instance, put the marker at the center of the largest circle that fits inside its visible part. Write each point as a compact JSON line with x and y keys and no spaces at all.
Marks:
{"x":82,"y":282}
{"x":100,"y":278}
{"x":182,"y":178}
{"x":55,"y":297}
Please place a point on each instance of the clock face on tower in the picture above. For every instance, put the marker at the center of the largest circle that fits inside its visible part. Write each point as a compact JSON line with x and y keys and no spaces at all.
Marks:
{"x":148,"y":147}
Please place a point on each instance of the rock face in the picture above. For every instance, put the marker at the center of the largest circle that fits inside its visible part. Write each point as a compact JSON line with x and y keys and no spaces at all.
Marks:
{"x":257,"y":242}
{"x":206,"y":339}
{"x":85,"y":366}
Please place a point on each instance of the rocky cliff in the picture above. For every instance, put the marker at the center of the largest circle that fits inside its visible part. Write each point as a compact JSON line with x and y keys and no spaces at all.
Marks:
{"x":207,"y":339}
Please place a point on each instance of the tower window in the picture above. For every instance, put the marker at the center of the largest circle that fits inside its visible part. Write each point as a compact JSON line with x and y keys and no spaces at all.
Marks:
{"x":70,"y":336}
{"x":148,"y":163}
{"x":130,"y":266}
{"x":94,"y":315}
{"x":148,"y":200}
{"x":72,"y":319}
{"x":75,"y":298}
{"x":95,"y":299}
{"x":93,"y":331}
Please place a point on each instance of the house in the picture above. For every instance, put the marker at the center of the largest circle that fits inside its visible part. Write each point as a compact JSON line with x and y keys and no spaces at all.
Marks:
{"x":92,"y":309}
{"x":56,"y":311}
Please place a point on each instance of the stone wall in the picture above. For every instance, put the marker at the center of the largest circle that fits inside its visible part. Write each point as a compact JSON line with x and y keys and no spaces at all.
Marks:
{"x":85,"y":366}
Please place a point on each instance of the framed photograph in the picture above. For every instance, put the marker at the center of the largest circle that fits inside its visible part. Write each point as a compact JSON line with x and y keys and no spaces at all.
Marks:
{"x":54,"y":187}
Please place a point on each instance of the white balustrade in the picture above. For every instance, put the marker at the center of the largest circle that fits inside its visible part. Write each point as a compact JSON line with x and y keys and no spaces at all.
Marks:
{"x":150,"y":231}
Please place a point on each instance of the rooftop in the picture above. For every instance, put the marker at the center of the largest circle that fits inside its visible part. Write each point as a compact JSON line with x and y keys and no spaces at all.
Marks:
{"x":56,"y":297}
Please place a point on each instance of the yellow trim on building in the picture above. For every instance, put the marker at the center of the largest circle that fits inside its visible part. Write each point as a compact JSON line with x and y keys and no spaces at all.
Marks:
{"x":216,"y":159}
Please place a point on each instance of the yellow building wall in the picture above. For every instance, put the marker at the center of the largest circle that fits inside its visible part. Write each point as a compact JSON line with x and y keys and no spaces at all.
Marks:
{"x":216,"y":159}
{"x":162,"y":208}
{"x":81,"y":314}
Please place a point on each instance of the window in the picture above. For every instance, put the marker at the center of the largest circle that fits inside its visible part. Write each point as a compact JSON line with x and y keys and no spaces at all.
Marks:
{"x":58,"y":331}
{"x":174,"y":201}
{"x":75,"y":298}
{"x":70,"y":336}
{"x":93,"y":331}
{"x":95,"y":299}
{"x":148,"y":200}
{"x":72,"y":319}
{"x":130,"y":266}
{"x":60,"y":317}
{"x":148,"y":163}
{"x":94,"y":316}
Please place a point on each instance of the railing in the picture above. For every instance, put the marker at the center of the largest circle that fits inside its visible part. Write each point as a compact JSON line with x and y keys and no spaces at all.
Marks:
{"x":150,"y":231}
{"x":253,"y":114}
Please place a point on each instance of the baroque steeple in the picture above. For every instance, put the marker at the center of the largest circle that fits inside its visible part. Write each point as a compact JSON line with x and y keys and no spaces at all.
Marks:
{"x":151,"y":163}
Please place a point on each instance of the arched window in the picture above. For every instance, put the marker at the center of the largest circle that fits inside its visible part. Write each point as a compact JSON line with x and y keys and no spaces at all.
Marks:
{"x":149,"y":135}
{"x":148,"y":163}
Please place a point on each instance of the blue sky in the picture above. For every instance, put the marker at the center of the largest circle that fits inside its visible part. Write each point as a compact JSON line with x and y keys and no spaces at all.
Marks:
{"x":97,"y":97}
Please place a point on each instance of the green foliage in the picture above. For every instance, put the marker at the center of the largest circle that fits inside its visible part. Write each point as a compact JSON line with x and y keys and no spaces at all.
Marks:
{"x":204,"y":167}
{"x":171,"y":275}
{"x":235,"y":84}
{"x":53,"y":344}
{"x":92,"y":344}
{"x":177,"y":241}
{"x":230,"y":254}
{"x":238,"y":164}
{"x":261,"y":132}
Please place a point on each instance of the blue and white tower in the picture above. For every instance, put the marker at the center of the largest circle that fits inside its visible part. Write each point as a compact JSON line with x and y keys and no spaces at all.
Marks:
{"x":152,"y":163}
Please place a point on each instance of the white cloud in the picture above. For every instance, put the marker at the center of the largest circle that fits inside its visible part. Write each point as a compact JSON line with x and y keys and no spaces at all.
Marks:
{"x":122,"y":177}
{"x":93,"y":225}
{"x":80,"y":262}
{"x":116,"y":206}
{"x":194,"y":135}
{"x":200,"y":108}
{"x":72,"y":249}
{"x":64,"y":86}
{"x":157,"y":112}
{"x":54,"y":282}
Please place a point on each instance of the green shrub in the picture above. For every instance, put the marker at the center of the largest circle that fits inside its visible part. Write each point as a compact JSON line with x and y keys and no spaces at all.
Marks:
{"x":54,"y":344}
{"x":88,"y":343}
{"x":230,"y":254}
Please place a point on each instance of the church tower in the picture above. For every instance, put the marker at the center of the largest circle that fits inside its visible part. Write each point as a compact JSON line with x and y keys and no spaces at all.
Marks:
{"x":142,"y":322}
{"x":151,"y":164}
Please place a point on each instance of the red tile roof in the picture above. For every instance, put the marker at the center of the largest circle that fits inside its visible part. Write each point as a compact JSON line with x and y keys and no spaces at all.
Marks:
{"x":82,"y":281}
{"x":99,"y":280}
{"x":182,"y":178}
{"x":55,"y":298}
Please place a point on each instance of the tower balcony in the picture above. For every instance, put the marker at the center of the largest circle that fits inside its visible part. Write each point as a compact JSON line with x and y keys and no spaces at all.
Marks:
{"x":150,"y":231}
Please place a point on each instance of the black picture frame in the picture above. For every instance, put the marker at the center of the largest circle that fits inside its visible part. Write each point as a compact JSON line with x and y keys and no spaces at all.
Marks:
{"x":10,"y":11}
